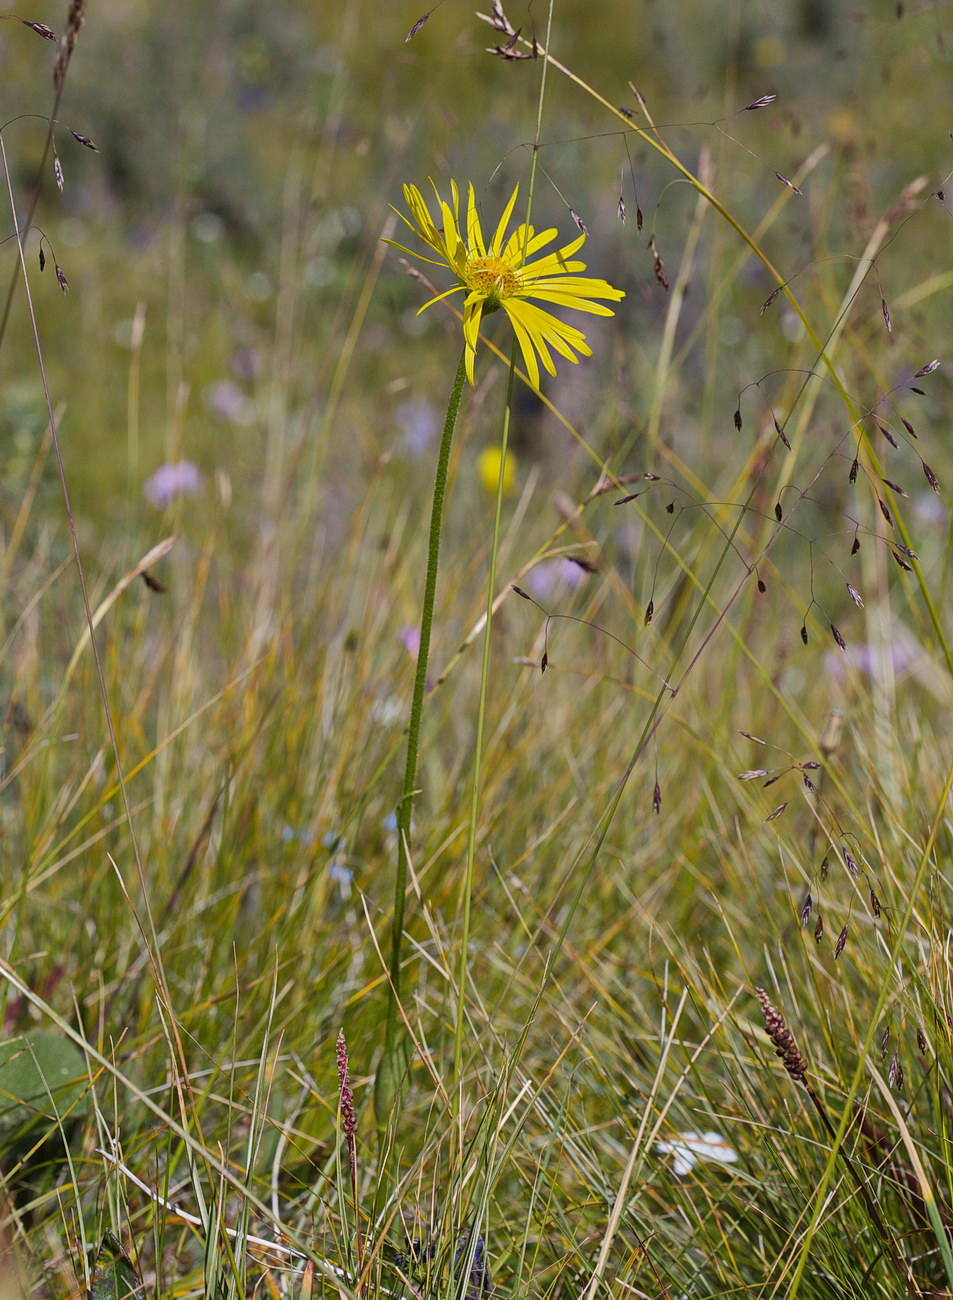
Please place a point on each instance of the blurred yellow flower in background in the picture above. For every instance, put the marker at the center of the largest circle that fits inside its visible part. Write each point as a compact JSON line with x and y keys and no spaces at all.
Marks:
{"x":488,"y":470}
{"x":502,"y":275}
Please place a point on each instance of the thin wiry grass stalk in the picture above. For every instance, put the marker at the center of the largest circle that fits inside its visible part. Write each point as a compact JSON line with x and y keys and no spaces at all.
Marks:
{"x":467,"y":889}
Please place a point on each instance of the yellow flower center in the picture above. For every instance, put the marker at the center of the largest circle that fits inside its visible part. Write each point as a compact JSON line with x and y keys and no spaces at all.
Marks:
{"x":493,"y":278}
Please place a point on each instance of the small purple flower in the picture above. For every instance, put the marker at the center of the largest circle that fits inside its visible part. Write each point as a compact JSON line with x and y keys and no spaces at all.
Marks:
{"x":180,"y":479}
{"x":870,"y":660}
{"x":420,"y":424}
{"x":246,"y":364}
{"x":410,"y":640}
{"x":342,"y":876}
{"x":226,"y":400}
{"x":553,"y":577}
{"x":930,"y":510}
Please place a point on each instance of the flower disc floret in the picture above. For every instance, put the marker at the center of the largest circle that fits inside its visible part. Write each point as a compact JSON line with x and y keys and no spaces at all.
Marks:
{"x":502,"y":274}
{"x":492,"y":277}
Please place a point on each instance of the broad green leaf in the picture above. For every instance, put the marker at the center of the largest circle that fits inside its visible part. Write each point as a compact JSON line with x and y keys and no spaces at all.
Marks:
{"x":115,"y":1276}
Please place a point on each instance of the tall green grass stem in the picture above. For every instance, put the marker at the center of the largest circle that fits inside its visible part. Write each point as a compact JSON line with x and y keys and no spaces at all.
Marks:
{"x":467,"y":886}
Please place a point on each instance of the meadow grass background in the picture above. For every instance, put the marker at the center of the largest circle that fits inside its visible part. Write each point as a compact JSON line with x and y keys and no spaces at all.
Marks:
{"x":231,"y":305}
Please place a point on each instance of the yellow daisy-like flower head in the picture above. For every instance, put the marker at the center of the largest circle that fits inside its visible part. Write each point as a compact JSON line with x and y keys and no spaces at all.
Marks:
{"x":506,"y":274}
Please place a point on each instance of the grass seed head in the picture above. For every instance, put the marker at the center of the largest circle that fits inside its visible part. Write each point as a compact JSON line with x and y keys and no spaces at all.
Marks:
{"x":784,"y":1045}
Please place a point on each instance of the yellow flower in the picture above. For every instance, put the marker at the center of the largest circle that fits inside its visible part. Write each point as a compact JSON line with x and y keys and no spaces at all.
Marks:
{"x":503,"y":275}
{"x":488,"y":470}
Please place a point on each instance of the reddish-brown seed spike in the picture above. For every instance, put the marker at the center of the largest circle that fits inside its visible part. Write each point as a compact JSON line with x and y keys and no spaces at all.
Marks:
{"x":42,"y":258}
{"x":841,"y":941}
{"x":762,"y":102}
{"x":806,"y":907}
{"x":578,"y":222}
{"x":808,"y":783}
{"x":874,"y":904}
{"x":84,"y":140}
{"x":899,"y":1078}
{"x":772,"y":297}
{"x":622,"y":209}
{"x":762,"y":586}
{"x":520,"y":592}
{"x":855,"y":546}
{"x":348,"y":1112}
{"x":819,"y":927}
{"x":894,"y":487}
{"x":61,"y":279}
{"x":921,"y":1041}
{"x":887,"y":434}
{"x":852,"y":476}
{"x":773,"y":780}
{"x":657,"y":799}
{"x":855,"y":596}
{"x":885,"y":511}
{"x":778,"y":512}
{"x":638,"y":217}
{"x":908,"y":568}
{"x":748,"y":736}
{"x":837,"y":637}
{"x":825,"y":866}
{"x":58,"y":171}
{"x":930,"y":477}
{"x":649,"y":612}
{"x":919,"y":391}
{"x":773,"y":816}
{"x":737,"y":418}
{"x":785,"y":1047}
{"x":790,"y":184}
{"x":670,"y":508}
{"x":811,"y":766}
{"x":928,"y":369}
{"x":886,"y":311}
{"x":544,"y":662}
{"x":909,"y":427}
{"x":659,"y":267}
{"x":804,"y":633}
{"x":624,"y":501}
{"x":906,"y":551}
{"x":41,"y":29}
{"x":892,"y":1074}
{"x":851,"y":864}
{"x":884,"y":1042}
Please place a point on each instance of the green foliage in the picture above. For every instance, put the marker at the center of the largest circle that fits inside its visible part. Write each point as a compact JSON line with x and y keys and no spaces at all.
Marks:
{"x":114,"y":1276}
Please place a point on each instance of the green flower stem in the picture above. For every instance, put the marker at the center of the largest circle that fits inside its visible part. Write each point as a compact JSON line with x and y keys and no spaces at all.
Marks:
{"x":468,"y":875}
{"x":405,"y":808}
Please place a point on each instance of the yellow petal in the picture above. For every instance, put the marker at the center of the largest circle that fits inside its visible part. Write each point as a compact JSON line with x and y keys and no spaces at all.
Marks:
{"x":474,"y":232}
{"x":497,"y":240}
